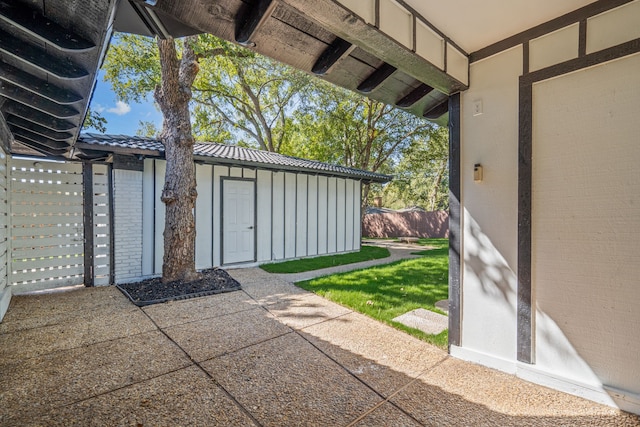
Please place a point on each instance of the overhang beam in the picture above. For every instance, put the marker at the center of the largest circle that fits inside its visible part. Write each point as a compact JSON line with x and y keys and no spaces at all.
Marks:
{"x":31,"y":83}
{"x":38,"y":117}
{"x":37,"y":102}
{"x":416,"y":95}
{"x":343,"y":23}
{"x":35,"y":128}
{"x":376,"y":78}
{"x":252,"y":18}
{"x":336,"y":51}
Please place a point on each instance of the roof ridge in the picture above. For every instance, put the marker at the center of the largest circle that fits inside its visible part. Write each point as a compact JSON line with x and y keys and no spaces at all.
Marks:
{"x":230,"y":153}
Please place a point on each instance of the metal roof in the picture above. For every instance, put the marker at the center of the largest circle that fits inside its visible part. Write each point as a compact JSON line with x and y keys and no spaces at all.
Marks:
{"x":225,"y":154}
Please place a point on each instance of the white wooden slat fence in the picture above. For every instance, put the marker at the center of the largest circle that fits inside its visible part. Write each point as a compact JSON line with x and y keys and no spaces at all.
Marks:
{"x":46,"y":224}
{"x":4,"y":234}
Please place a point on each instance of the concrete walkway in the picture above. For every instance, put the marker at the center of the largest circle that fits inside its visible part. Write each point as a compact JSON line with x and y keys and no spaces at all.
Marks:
{"x":270,"y":355}
{"x":397,"y":251}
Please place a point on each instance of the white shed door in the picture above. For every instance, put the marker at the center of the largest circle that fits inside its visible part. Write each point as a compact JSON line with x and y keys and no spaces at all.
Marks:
{"x":238,"y":221}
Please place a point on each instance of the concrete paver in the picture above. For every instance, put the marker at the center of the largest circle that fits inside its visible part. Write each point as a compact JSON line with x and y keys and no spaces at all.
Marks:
{"x":187,"y":397}
{"x":375,"y":353}
{"x":60,"y":378}
{"x":216,"y":336}
{"x":190,"y":310}
{"x":427,"y":321}
{"x":270,"y":355}
{"x":303,"y":310}
{"x":286,"y":381}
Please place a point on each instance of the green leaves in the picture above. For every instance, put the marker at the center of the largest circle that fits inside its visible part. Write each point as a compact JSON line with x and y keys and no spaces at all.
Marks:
{"x":240,"y":97}
{"x":132,"y":66}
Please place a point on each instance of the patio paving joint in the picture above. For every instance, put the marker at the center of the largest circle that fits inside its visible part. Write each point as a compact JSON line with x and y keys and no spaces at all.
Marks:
{"x":394,"y":394}
{"x":206,"y":373}
{"x":200,"y":319}
{"x":379,"y":394}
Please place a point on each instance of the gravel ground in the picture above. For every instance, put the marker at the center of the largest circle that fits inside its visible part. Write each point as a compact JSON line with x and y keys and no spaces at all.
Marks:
{"x":153,"y":291}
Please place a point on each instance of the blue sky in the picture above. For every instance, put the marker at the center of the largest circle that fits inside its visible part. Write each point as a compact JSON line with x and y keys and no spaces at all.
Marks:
{"x":122,"y":118}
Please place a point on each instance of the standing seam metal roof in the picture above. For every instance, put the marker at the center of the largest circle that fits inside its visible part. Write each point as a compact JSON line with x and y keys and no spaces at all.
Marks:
{"x":232,"y":154}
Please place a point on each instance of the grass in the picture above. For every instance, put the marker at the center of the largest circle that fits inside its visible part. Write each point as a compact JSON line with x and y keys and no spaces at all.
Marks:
{"x":387,"y":291}
{"x":366,"y":253}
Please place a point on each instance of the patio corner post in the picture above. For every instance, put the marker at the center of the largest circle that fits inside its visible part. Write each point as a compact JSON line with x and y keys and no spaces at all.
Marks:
{"x":455,"y":301}
{"x":87,"y":203}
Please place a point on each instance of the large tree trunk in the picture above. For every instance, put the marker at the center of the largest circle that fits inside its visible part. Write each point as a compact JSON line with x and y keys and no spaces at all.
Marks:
{"x":179,"y":193}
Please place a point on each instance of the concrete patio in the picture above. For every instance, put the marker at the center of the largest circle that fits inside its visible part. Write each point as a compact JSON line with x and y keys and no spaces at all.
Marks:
{"x":270,"y":355}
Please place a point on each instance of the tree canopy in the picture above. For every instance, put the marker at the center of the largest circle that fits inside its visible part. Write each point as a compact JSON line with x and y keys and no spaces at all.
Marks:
{"x":240,"y":97}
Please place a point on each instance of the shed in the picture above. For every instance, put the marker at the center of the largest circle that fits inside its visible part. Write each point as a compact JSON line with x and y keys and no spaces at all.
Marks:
{"x":253,"y":206}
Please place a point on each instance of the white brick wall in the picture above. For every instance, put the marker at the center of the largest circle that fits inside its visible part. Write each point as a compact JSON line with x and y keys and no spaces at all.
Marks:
{"x":127,"y":201}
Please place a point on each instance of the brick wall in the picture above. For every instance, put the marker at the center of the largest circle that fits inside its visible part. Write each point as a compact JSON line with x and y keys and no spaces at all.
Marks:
{"x":127,"y":204}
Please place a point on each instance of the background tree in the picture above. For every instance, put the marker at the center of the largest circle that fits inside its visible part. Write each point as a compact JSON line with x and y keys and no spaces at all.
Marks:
{"x":243,"y":98}
{"x":342,"y":127}
{"x":147,"y":129}
{"x":421,"y":177}
{"x":95,"y":120}
{"x":238,"y":96}
{"x":252,"y":95}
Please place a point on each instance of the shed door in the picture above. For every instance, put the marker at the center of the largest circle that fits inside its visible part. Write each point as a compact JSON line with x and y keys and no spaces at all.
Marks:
{"x":238,"y":221}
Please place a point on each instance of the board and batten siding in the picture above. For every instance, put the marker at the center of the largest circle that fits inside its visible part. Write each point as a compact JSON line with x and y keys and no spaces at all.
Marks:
{"x":298,"y":214}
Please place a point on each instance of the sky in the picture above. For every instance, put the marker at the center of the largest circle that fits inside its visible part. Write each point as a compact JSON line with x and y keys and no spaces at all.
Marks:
{"x":122,"y":118}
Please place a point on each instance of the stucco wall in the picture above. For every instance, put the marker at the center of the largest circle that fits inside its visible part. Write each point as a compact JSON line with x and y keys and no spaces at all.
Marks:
{"x":586,"y":224}
{"x":585,"y":215}
{"x":489,"y":208}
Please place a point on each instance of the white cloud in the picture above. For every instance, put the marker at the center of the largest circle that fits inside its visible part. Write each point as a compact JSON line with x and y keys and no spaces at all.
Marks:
{"x":120,"y":109}
{"x":98,"y":108}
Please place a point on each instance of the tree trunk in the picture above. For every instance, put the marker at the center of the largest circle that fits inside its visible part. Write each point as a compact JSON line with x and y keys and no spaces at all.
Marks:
{"x":433,"y":194}
{"x":179,"y":193}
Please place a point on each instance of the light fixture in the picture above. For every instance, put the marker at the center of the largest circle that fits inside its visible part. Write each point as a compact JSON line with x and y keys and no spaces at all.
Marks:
{"x":477,"y":172}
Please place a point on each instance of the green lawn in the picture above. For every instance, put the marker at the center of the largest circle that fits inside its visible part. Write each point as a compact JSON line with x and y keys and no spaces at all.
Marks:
{"x":366,"y":253}
{"x":387,"y":291}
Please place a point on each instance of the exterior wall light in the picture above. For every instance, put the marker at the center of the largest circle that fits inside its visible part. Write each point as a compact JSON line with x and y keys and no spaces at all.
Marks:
{"x":477,"y":172}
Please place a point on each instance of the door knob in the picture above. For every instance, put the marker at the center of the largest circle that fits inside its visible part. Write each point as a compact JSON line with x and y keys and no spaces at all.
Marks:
{"x":250,"y":228}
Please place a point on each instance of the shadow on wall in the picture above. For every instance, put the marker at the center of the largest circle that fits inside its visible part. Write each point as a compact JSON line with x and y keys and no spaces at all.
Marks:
{"x":564,"y":359}
{"x":406,"y":224}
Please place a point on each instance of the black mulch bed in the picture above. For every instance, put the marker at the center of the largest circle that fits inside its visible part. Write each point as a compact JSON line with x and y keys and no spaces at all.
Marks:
{"x":153,"y":291}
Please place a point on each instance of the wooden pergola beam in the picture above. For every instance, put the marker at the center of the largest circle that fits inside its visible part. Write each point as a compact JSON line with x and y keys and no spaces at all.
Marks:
{"x":35,"y":128}
{"x":253,"y":17}
{"x":414,"y":96}
{"x":35,"y":101}
{"x":36,"y":25}
{"x":40,"y":59}
{"x":31,"y":83}
{"x":337,"y":50}
{"x":39,"y":147}
{"x":40,"y":118}
{"x":39,"y":139}
{"x":377,"y":78}
{"x":437,"y":111}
